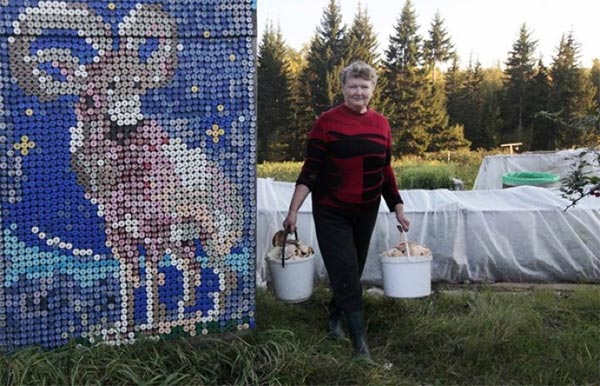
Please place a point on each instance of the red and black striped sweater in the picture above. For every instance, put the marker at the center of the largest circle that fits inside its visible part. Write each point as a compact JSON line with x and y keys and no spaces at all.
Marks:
{"x":347,"y":161}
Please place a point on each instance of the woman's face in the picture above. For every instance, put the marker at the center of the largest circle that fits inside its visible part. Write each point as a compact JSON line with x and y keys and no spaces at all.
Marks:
{"x":357,"y":93}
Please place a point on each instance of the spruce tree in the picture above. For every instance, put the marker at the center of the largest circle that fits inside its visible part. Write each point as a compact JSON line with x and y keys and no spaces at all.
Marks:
{"x":490,"y":122}
{"x":363,"y":46}
{"x":362,"y":39}
{"x":438,"y":48}
{"x":406,"y":85}
{"x":405,"y":51}
{"x":572,"y":93}
{"x":296,"y":136}
{"x":517,"y":112}
{"x":471,"y":99}
{"x":442,"y":136}
{"x":274,"y":98}
{"x":543,"y":131}
{"x":327,"y":55}
{"x":454,"y":79}
{"x":319,"y":82}
{"x":473,"y":103}
{"x":488,"y":137}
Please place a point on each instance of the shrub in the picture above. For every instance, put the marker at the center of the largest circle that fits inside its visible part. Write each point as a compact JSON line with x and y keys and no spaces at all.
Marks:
{"x":280,"y":171}
{"x":466,"y":163}
{"x":582,"y":181}
{"x":426,"y":177}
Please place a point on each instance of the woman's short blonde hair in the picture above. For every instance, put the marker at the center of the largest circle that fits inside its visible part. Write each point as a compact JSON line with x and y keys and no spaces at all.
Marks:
{"x":359,"y":69}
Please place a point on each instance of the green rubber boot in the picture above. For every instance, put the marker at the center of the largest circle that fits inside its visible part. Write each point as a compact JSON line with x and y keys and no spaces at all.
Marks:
{"x":356,"y":327}
{"x":334,"y":325}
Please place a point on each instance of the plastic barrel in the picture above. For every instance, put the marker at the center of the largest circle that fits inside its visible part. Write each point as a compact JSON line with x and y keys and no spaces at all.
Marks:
{"x":541,"y":179}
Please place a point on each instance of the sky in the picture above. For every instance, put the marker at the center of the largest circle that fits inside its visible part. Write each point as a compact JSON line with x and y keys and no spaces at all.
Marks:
{"x":483,"y":30}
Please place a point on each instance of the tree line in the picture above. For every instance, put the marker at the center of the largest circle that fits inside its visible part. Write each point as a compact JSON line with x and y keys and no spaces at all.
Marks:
{"x":432,"y":102}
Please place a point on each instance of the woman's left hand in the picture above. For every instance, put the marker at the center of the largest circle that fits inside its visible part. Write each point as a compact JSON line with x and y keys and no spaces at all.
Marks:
{"x":401,"y":217}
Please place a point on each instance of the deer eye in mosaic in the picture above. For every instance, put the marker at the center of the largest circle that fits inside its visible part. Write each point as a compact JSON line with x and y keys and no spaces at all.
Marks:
{"x":127,"y":146}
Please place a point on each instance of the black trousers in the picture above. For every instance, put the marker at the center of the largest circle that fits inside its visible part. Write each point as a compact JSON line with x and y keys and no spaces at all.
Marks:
{"x":344,"y":236}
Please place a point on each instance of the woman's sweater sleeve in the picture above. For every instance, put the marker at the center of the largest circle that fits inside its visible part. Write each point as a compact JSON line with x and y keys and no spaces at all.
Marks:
{"x":390,"y":192}
{"x":315,"y":156}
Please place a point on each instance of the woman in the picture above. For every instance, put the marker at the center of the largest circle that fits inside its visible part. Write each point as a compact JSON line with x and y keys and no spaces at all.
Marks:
{"x":347,"y":169}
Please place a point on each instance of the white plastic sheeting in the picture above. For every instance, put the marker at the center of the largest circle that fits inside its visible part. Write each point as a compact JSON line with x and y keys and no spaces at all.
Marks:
{"x":518,"y":234}
{"x":494,"y":167}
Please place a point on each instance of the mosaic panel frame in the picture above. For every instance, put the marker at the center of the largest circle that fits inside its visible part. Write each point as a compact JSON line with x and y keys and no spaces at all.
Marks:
{"x":127,"y":169}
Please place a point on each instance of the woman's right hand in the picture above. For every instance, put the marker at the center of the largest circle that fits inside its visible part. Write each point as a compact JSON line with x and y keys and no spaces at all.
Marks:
{"x":289,"y":224}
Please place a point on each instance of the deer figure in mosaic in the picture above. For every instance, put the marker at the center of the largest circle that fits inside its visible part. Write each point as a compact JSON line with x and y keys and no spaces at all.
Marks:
{"x":156,"y":195}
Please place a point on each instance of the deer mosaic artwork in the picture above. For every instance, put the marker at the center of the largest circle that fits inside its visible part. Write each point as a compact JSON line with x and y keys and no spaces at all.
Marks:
{"x":157,"y":195}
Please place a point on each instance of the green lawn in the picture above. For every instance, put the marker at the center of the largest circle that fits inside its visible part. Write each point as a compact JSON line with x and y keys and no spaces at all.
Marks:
{"x":467,"y":337}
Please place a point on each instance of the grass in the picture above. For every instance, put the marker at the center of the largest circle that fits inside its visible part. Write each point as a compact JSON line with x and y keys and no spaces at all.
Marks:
{"x":431,"y":171}
{"x":459,"y":337}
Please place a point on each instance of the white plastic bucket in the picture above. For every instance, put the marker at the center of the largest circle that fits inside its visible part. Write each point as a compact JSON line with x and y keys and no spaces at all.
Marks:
{"x":294,"y":282}
{"x":406,"y":277}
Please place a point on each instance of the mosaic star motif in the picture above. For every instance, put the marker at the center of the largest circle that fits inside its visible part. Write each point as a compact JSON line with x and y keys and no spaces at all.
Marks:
{"x":215,"y":132}
{"x":25,"y":145}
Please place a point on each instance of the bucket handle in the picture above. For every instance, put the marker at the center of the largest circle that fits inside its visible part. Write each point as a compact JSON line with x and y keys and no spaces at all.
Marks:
{"x":403,"y":234}
{"x":287,"y":232}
